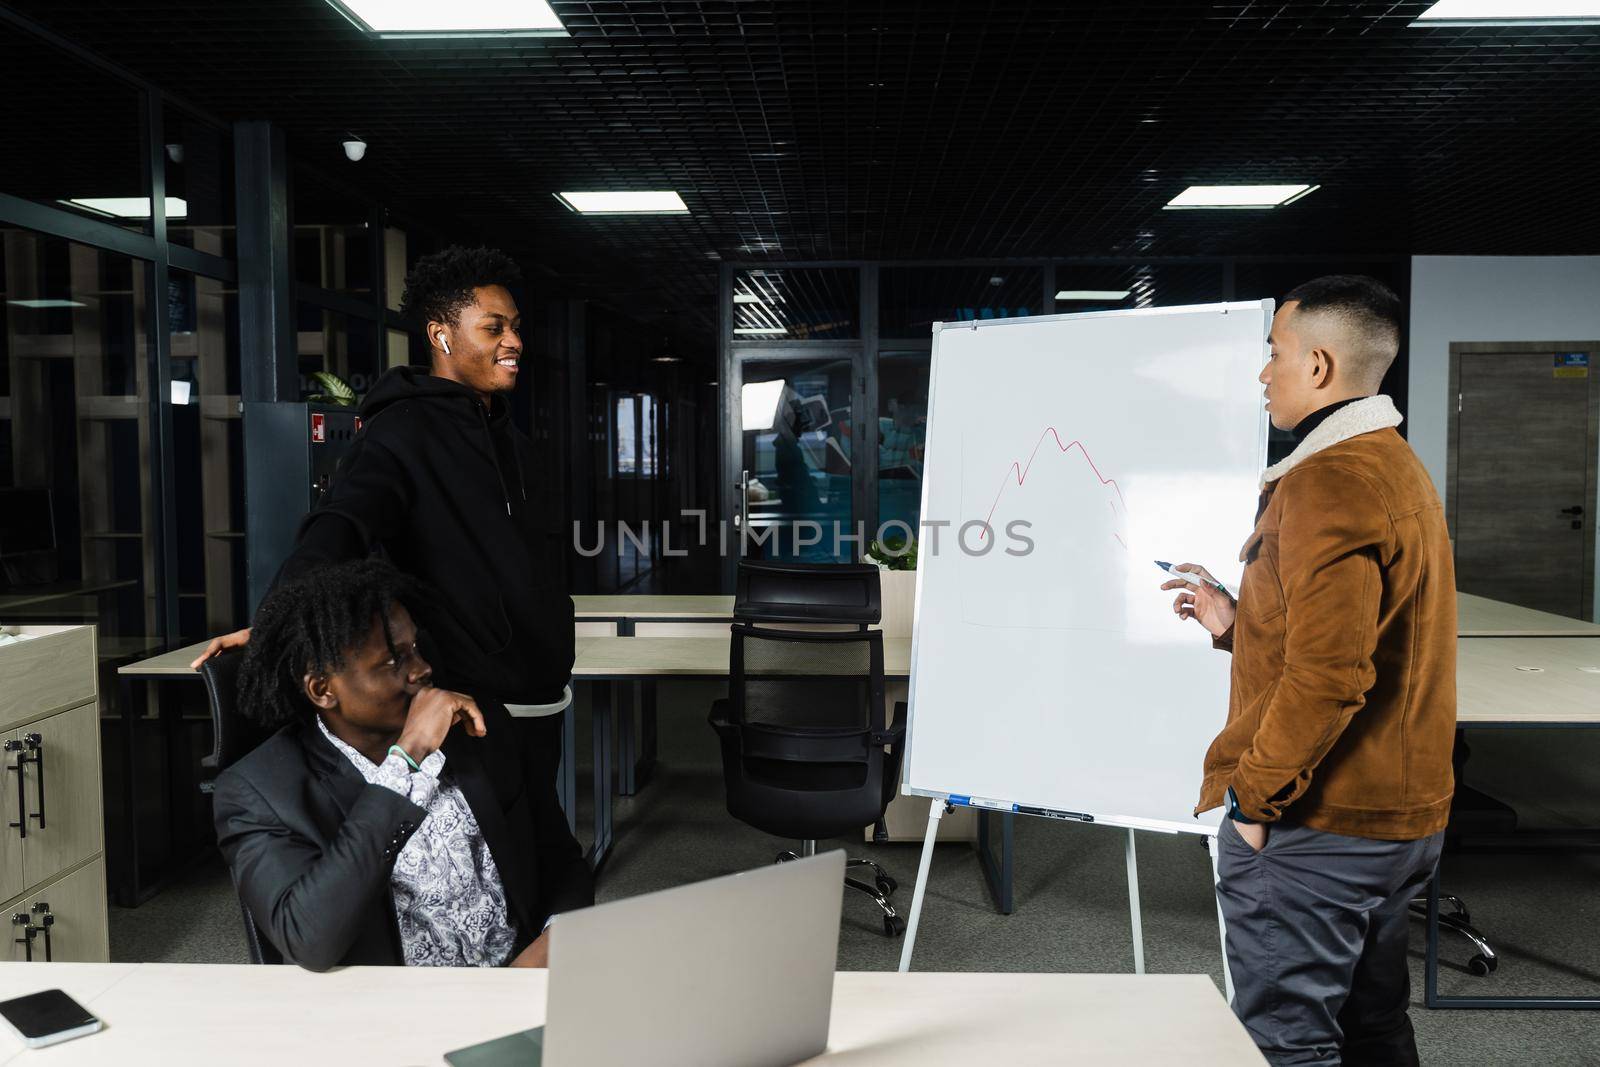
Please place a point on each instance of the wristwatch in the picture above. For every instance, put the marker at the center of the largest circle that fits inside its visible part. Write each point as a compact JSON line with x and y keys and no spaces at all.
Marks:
{"x":1234,"y":812}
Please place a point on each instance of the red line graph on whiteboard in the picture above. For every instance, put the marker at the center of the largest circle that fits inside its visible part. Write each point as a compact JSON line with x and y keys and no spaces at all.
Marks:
{"x":1020,"y":470}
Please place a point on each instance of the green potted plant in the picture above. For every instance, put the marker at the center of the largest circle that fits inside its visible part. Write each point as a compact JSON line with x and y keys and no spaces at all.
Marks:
{"x":335,"y":391}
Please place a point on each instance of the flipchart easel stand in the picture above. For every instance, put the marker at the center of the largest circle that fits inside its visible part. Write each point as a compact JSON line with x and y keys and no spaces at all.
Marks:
{"x":936,"y":808}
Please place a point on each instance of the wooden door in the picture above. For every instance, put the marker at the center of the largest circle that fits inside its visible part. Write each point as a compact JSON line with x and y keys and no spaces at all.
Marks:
{"x":69,"y":744}
{"x":1522,"y":477}
{"x":78,"y":903}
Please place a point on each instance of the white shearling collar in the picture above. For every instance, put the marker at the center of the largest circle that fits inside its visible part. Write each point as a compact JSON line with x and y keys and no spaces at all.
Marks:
{"x":1364,"y":416}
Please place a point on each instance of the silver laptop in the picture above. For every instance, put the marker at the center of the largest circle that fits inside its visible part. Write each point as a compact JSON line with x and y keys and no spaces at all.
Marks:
{"x":731,"y":972}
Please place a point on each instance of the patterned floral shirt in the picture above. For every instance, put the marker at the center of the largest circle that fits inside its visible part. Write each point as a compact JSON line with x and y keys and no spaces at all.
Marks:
{"x":446,"y":887}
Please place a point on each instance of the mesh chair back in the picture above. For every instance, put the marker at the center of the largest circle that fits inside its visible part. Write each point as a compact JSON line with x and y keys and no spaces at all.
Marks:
{"x":234,"y":736}
{"x":803,"y":731}
{"x":818,"y":683}
{"x":808,"y":592}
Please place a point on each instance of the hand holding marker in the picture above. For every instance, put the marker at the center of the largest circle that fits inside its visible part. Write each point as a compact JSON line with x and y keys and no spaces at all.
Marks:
{"x":1194,"y":579}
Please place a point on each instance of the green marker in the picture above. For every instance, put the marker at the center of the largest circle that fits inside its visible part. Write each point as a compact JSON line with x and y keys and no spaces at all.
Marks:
{"x":1193,"y":578}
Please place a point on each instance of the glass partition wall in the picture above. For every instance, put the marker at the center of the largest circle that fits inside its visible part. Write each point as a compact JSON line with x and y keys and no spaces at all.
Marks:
{"x":825,"y":374}
{"x":77,"y":529}
{"x":120,"y":490}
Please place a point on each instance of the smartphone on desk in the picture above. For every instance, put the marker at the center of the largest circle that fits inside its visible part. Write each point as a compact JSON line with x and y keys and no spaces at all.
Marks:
{"x":47,"y":1018}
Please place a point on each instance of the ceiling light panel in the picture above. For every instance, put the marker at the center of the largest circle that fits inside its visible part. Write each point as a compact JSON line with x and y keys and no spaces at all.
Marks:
{"x":1238,"y":196}
{"x":1093,"y":294}
{"x":1511,"y":13}
{"x":128,"y":207}
{"x":455,"y":18}
{"x":656,"y":202}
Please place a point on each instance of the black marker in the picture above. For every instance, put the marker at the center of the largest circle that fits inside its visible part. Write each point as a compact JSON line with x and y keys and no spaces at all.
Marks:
{"x":1050,"y":813}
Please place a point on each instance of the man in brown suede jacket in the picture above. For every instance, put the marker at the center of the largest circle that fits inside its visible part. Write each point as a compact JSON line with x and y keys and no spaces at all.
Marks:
{"x":1334,"y":764}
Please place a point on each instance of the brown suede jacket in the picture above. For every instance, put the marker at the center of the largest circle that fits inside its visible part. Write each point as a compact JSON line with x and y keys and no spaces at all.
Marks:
{"x":1343,"y":710}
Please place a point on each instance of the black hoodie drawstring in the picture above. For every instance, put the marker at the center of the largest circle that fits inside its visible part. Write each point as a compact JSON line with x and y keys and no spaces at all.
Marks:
{"x":494,"y":455}
{"x":522,"y":482}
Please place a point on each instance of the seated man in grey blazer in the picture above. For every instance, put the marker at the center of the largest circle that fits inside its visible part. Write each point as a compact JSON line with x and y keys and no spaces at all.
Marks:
{"x":387,"y":821}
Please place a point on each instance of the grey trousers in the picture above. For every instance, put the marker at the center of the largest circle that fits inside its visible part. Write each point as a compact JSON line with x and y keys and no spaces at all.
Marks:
{"x":1317,"y":933}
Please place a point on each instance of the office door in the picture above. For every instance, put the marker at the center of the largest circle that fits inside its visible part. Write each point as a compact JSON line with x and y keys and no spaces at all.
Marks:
{"x":794,"y":429}
{"x":1522,"y":473}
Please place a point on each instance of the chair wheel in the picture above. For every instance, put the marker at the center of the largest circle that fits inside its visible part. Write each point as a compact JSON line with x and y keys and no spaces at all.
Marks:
{"x":1482,"y":966}
{"x":893,"y":926}
{"x":886,"y":884}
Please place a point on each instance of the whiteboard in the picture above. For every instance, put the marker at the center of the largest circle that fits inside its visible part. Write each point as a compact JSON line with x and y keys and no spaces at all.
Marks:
{"x":1057,"y":676}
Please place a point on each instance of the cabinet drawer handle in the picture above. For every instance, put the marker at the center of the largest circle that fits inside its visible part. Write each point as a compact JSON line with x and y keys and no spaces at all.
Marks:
{"x":29,"y":932}
{"x":13,"y":745}
{"x":46,"y":921}
{"x":35,"y":745}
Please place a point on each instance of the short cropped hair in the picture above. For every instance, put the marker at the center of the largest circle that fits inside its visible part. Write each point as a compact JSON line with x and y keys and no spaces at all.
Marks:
{"x":1364,"y":311}
{"x":310,"y":625}
{"x":440,"y":285}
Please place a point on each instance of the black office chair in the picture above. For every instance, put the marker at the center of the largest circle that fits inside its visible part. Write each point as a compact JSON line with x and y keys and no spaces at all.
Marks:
{"x":805,"y":750}
{"x":234,"y":737}
{"x":1472,"y":813}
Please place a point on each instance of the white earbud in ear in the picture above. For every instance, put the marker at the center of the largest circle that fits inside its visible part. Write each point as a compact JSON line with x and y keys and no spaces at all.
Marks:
{"x":446,"y":345}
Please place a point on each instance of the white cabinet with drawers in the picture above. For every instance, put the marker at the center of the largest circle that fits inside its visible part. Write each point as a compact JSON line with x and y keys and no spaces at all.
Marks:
{"x":52,"y":829}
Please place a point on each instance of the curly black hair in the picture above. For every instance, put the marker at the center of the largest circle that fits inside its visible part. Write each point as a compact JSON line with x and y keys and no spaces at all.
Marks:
{"x":308,"y":626}
{"x":441,"y":284}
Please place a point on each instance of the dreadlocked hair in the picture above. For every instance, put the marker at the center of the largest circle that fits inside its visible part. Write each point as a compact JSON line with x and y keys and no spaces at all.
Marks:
{"x":308,"y":626}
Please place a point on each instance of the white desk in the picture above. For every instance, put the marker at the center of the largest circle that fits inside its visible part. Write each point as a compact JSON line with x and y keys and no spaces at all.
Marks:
{"x":627,"y":658}
{"x":624,"y":611}
{"x":686,"y":608}
{"x":1513,"y":683}
{"x":1478,"y":616}
{"x":606,"y":660}
{"x":1493,"y":688}
{"x":167,"y":1014}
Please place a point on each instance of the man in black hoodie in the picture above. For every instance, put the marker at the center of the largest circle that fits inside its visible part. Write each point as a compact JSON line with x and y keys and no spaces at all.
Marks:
{"x":443,"y":483}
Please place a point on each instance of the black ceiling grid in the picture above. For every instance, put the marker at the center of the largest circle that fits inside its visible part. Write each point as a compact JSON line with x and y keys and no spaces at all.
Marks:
{"x":826,"y":130}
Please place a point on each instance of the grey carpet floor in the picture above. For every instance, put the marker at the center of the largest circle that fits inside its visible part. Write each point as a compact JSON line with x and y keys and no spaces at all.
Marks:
{"x":1540,"y":911}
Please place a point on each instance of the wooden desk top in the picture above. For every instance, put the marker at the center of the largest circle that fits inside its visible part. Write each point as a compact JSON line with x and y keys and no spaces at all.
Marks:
{"x":1477,"y":616}
{"x":174,"y":664}
{"x":44,"y":594}
{"x":1481,"y":617}
{"x":653,"y":607}
{"x":1492,"y":690}
{"x":1502,"y":636}
{"x":692,"y":657}
{"x":157,"y":1014}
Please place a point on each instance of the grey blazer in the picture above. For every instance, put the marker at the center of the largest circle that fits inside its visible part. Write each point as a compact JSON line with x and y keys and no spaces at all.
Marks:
{"x":311,"y":844}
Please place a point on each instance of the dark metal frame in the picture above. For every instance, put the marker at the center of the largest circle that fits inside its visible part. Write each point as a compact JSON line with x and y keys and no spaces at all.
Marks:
{"x":861,"y":484}
{"x":267,"y":359}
